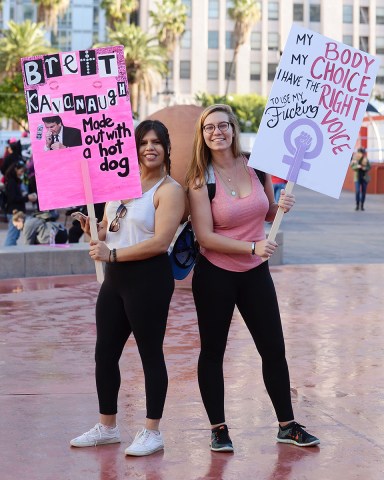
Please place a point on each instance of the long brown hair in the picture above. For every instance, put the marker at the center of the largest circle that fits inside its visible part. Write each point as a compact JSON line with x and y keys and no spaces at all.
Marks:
{"x":201,"y":154}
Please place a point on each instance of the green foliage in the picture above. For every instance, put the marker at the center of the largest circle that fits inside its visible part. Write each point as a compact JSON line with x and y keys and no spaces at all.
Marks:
{"x":12,"y":100}
{"x":248,"y":108}
{"x":169,"y":21}
{"x":25,"y":39}
{"x":118,"y":11}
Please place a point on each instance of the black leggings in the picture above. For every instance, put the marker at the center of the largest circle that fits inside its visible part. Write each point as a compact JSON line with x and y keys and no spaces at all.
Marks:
{"x":216,"y":292}
{"x":134,"y":297}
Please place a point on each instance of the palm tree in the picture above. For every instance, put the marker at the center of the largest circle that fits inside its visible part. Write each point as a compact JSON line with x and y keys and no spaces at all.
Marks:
{"x":48,"y":12}
{"x":169,"y":20}
{"x":118,"y":11}
{"x":25,"y":39}
{"x":245,"y":14}
{"x":144,"y":59}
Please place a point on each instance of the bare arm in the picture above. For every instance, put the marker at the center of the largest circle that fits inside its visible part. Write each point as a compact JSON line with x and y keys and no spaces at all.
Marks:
{"x":170,"y":204}
{"x":286,"y":200}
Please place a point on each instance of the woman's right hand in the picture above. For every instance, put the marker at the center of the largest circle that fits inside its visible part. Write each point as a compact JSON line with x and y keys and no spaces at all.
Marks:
{"x":85,"y":226}
{"x":265,"y":248}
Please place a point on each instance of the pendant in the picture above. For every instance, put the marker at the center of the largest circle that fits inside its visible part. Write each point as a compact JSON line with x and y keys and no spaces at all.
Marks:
{"x":233,"y":193}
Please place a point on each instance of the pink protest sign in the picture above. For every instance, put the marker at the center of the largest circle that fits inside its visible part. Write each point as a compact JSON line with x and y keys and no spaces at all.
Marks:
{"x":79,"y":110}
{"x":314,"y":111}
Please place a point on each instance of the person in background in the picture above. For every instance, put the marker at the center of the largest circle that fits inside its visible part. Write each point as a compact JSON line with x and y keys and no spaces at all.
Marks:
{"x":361,"y":166}
{"x":13,"y":155}
{"x":134,"y":238}
{"x":17,"y":197}
{"x":278,"y":185}
{"x":37,"y":231}
{"x":232,"y":270}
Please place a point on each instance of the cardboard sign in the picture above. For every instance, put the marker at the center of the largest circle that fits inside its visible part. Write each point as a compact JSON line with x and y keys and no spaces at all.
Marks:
{"x":313,"y":115}
{"x":79,"y":110}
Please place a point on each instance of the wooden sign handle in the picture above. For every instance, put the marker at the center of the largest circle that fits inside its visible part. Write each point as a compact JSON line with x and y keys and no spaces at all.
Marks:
{"x":279,"y":215}
{"x":91,"y":214}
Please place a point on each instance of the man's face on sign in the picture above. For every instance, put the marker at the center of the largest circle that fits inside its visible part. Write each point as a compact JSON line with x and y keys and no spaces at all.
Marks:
{"x":53,"y":127}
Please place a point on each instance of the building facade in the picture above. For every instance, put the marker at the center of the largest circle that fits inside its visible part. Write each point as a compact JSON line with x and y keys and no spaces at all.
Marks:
{"x":201,"y":62}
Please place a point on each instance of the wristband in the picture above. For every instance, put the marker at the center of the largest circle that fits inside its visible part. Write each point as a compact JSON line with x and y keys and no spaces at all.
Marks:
{"x":253,"y":248}
{"x":109,"y":257}
{"x":114,"y":255}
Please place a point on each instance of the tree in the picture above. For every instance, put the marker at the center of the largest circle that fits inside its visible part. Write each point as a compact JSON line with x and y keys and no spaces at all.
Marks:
{"x":144,"y":59}
{"x":245,"y":14}
{"x":118,"y":11}
{"x":48,"y":12}
{"x":169,"y":20}
{"x":21,"y":40}
{"x":12,"y":100}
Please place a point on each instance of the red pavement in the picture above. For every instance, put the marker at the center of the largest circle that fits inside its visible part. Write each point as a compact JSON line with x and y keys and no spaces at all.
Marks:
{"x":333,"y":322}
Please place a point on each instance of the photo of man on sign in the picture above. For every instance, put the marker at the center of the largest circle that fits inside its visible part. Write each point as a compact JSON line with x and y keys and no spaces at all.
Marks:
{"x":59,"y":136}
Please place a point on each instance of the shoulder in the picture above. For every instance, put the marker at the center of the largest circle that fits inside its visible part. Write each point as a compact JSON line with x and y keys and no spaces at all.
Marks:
{"x":170,"y":188}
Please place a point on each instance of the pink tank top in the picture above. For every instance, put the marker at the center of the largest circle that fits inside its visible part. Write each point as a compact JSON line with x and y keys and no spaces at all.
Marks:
{"x":239,"y":218}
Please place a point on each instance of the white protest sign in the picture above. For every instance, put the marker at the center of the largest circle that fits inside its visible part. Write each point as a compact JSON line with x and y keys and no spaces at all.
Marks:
{"x":314,"y":112}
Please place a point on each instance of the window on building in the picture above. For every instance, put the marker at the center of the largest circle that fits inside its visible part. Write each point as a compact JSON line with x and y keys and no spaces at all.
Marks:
{"x":348,"y":40}
{"x":213,"y":9}
{"x":185,"y":69}
{"x":213,"y":70}
{"x":188,"y":4}
{"x":272,"y":70}
{"x":380,"y":76}
{"x":273,"y":11}
{"x":363,"y":44}
{"x":347,"y":13}
{"x":380,"y":45}
{"x":213,"y":39}
{"x":255,"y":71}
{"x":228,"y":69}
{"x":255,"y":41}
{"x":29,"y":12}
{"x":229,"y":40}
{"x":96,"y":18}
{"x":364,"y":15}
{"x":273,"y":41}
{"x":380,"y":15}
{"x":12,"y":12}
{"x":186,"y":38}
{"x":298,"y":12}
{"x":314,"y":13}
{"x":228,"y":5}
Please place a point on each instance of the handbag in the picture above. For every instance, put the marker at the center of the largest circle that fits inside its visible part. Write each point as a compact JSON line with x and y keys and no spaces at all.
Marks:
{"x":184,"y":252}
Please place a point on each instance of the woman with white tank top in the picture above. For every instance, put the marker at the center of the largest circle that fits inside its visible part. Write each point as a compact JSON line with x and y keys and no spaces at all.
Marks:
{"x":134,"y":237}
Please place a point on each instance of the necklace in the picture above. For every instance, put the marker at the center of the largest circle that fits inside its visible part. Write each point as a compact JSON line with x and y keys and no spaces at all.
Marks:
{"x":231,"y":186}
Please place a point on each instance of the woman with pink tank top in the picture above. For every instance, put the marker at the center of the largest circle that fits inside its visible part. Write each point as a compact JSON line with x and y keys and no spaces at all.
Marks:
{"x":232,"y":270}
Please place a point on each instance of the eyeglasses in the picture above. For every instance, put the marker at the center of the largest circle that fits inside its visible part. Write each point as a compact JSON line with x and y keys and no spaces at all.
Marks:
{"x":222,"y":126}
{"x":120,"y":213}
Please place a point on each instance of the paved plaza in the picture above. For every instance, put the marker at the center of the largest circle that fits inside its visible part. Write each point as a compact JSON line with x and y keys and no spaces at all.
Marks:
{"x":330,"y":290}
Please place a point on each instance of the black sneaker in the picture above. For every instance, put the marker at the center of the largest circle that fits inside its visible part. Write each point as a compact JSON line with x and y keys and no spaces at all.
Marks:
{"x":220,"y":441}
{"x":294,"y":433}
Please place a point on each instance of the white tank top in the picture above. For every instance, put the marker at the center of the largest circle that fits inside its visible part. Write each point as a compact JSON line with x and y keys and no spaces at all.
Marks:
{"x":139,"y":222}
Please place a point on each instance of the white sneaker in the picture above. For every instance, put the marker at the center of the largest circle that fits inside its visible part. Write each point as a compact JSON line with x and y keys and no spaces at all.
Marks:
{"x":145,"y":443}
{"x":98,"y":435}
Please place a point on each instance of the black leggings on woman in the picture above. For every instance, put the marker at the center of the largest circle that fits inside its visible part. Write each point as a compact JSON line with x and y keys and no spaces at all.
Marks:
{"x":216,"y":292}
{"x":134,"y":297}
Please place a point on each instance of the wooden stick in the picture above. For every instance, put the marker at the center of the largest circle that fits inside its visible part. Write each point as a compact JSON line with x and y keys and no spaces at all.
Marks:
{"x":91,"y":214}
{"x":279,"y":215}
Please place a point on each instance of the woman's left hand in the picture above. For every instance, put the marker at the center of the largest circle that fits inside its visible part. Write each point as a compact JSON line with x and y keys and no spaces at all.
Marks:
{"x":286,"y":201}
{"x":99,"y":251}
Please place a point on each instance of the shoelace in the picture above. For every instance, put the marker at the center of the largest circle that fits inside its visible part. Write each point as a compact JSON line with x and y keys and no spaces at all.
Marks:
{"x":142,"y":436}
{"x":296,"y":430}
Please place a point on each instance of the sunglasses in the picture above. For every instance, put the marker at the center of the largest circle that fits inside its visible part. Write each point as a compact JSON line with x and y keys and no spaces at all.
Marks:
{"x":120,"y":213}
